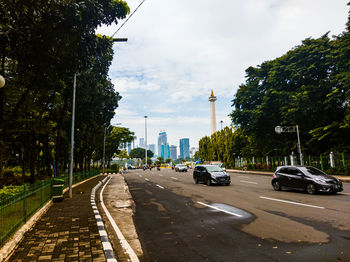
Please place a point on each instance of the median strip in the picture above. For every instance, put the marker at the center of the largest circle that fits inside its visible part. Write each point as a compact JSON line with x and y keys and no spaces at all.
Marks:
{"x":290,"y":202}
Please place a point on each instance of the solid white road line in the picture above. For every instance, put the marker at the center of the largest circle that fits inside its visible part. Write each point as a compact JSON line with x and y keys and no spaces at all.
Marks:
{"x":219,"y":209}
{"x":160,"y":186}
{"x":290,"y":202}
{"x":120,"y":235}
{"x":174,"y":178}
{"x":249,"y":182}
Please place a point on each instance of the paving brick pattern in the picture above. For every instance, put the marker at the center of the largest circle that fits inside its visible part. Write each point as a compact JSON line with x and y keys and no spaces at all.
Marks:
{"x":67,"y":232}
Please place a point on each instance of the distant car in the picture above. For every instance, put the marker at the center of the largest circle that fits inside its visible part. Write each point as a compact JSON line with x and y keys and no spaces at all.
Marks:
{"x":211,"y":174}
{"x":305,"y":178}
{"x":180,"y":168}
{"x":131,"y":167}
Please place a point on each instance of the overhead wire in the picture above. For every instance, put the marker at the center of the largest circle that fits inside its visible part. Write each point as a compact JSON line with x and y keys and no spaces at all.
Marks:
{"x":128,"y":17}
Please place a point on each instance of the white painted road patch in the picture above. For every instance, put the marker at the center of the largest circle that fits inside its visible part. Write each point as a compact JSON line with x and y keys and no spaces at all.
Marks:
{"x":146,"y":179}
{"x":290,"y":202}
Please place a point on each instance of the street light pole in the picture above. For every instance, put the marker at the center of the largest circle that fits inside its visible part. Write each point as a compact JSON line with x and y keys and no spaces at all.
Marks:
{"x":72,"y":141}
{"x":104,"y":150}
{"x":221,"y":124}
{"x":146,"y":140}
{"x":2,"y":84}
{"x":299,"y":147}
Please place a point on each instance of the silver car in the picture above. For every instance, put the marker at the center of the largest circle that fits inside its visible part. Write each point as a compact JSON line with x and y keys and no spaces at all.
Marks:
{"x":180,"y":168}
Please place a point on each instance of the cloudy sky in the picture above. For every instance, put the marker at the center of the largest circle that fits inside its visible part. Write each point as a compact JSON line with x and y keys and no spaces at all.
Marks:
{"x":180,"y":50}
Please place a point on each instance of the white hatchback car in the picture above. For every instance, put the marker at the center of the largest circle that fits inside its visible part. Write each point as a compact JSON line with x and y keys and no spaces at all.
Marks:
{"x":180,"y":168}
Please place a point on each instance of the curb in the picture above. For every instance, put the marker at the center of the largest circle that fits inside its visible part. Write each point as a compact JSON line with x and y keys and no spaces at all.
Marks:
{"x":12,"y":243}
{"x":106,"y":244}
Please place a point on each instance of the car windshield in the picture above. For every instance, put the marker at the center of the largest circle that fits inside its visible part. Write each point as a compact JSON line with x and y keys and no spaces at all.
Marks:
{"x":214,"y":168}
{"x":313,"y":171}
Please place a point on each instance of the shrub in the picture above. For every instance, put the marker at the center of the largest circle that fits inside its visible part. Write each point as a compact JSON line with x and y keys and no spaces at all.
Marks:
{"x":9,"y":191}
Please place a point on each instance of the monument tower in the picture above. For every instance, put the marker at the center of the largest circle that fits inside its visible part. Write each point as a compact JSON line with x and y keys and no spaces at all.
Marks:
{"x":212,"y":100}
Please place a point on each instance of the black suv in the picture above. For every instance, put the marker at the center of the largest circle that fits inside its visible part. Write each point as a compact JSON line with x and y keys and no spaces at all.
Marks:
{"x":306,"y":178}
{"x":211,"y":174}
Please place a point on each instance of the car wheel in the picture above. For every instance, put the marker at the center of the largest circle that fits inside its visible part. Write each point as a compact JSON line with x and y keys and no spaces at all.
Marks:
{"x":276,"y":185}
{"x":208,"y":181}
{"x":196,"y":180}
{"x":311,"y":189}
{"x":227,"y":184}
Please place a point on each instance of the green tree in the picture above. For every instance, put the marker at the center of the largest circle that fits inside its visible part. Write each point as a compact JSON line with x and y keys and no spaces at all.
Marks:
{"x":38,"y":61}
{"x":140,"y":153}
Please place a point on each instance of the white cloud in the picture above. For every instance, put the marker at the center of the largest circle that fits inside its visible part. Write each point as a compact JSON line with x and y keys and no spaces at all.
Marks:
{"x":180,"y":50}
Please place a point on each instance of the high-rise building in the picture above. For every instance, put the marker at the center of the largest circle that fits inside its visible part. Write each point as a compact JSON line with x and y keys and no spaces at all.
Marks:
{"x":129,"y":147}
{"x":184,"y":148}
{"x":173,"y":152}
{"x":152,"y":147}
{"x":162,"y":140}
{"x":164,"y":151}
{"x":193,"y":150}
{"x":142,"y":143}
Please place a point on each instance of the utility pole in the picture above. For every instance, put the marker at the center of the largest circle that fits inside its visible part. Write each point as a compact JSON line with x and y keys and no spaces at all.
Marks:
{"x":146,"y":139}
{"x":72,"y":140}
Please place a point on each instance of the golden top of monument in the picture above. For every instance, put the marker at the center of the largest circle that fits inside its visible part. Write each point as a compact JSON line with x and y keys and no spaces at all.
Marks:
{"x":212,"y":93}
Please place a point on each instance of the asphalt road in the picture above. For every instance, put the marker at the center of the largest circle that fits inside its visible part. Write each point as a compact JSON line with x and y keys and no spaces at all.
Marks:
{"x":178,"y":220}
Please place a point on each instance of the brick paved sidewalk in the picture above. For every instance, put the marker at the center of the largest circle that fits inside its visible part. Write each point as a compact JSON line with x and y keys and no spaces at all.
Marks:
{"x":67,"y":232}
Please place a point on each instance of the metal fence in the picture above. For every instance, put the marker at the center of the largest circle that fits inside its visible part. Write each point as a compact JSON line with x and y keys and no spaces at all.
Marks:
{"x":17,"y":209}
{"x":337,"y":162}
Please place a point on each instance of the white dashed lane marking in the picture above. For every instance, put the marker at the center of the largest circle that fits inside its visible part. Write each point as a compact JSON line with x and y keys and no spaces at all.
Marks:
{"x":174,"y":178}
{"x":160,"y":186}
{"x":290,"y":202}
{"x":219,"y":209}
{"x":249,"y":182}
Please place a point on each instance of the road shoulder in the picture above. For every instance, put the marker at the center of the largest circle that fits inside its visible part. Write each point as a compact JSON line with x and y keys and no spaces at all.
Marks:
{"x":121,"y":206}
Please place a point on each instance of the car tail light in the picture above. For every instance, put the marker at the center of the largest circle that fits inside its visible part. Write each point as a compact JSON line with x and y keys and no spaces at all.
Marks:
{"x":273,"y":176}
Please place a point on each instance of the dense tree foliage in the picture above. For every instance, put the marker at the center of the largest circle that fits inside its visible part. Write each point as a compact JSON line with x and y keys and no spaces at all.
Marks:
{"x":43,"y":44}
{"x":309,"y":86}
{"x":115,"y":136}
{"x":140,"y":153}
